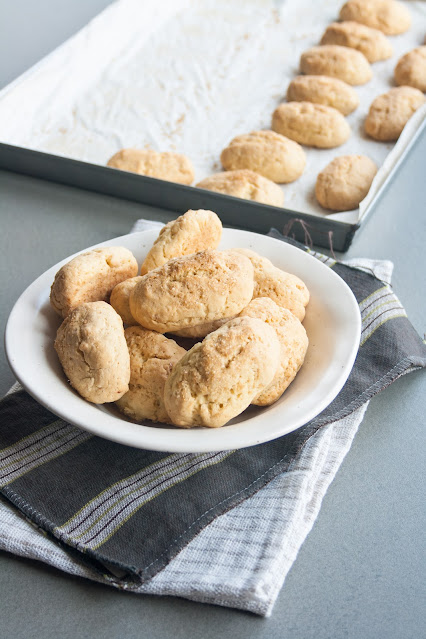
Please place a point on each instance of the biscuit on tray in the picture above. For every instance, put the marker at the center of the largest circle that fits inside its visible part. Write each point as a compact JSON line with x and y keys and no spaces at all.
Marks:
{"x":266,"y":152}
{"x":388,"y":16}
{"x":245,"y":184}
{"x":345,"y":182}
{"x":244,"y":351}
{"x":173,"y":167}
{"x":92,"y":349}
{"x":191,"y":232}
{"x":411,"y":69}
{"x":370,"y":42}
{"x":311,"y":124}
{"x":343,"y":63}
{"x":321,"y":89}
{"x":390,"y":112}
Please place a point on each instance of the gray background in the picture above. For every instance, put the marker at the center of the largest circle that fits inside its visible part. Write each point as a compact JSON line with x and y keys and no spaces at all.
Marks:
{"x":360,"y":573}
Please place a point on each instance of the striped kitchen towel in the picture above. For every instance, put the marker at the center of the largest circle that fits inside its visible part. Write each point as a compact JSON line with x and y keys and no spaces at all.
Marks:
{"x":221,"y":528}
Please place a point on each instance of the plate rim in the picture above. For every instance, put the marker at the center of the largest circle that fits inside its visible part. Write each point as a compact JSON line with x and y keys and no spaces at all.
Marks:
{"x":156,"y":438}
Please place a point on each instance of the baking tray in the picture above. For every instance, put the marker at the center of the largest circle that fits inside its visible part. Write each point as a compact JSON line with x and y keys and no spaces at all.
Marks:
{"x":89,"y":172}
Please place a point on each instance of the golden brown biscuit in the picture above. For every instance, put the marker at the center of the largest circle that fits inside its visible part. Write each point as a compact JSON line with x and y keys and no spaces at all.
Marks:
{"x":411,"y":69}
{"x":152,"y":357}
{"x":311,"y":124}
{"x":119,"y":299}
{"x":267,"y":153}
{"x":343,"y":63}
{"x":219,"y":377}
{"x":201,"y":330}
{"x":90,"y":277}
{"x":172,"y":167}
{"x":191,"y":232}
{"x":285,"y":289}
{"x":192,"y":290}
{"x":345,"y":182}
{"x":322,"y":89}
{"x":92,"y":349}
{"x":388,"y":16}
{"x":371,"y":42}
{"x":293,"y":345}
{"x":245,"y":184}
{"x":390,"y":112}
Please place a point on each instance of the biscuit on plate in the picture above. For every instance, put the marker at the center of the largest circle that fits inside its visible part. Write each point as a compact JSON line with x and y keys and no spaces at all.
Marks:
{"x":345,"y":182}
{"x":322,"y":89}
{"x":191,"y":232}
{"x":119,"y":299}
{"x":192,"y":290}
{"x":390,"y":112}
{"x":266,"y":152}
{"x":201,"y":330}
{"x":293,"y":345}
{"x":411,"y":69}
{"x":343,"y":63}
{"x":389,"y":16}
{"x":219,"y":377}
{"x":92,"y":349}
{"x":285,"y":289}
{"x":173,"y":167}
{"x":245,"y":184}
{"x":152,"y":357}
{"x":90,"y":277}
{"x":371,"y":42}
{"x":311,"y":124}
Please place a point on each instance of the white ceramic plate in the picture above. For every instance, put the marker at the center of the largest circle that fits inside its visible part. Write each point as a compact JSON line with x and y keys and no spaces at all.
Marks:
{"x":332,"y":323}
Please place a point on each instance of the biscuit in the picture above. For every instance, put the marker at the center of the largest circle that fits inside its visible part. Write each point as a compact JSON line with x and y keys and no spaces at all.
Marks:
{"x":267,"y":153}
{"x":343,"y":63}
{"x":322,"y":89}
{"x":192,"y":290}
{"x":411,"y":69}
{"x":390,"y":112}
{"x":90,"y":277}
{"x":173,"y":167}
{"x":152,"y":357}
{"x":293,"y":345}
{"x":311,"y":124}
{"x":219,"y":377}
{"x":119,"y":299}
{"x":92,"y":349}
{"x":345,"y":182}
{"x":388,"y":16}
{"x":191,"y":232}
{"x":245,"y":184}
{"x":371,"y":42}
{"x":285,"y":289}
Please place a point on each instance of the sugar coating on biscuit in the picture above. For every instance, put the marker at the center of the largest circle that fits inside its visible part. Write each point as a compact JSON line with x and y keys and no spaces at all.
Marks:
{"x":311,"y":124}
{"x":192,"y":290}
{"x":173,"y":167}
{"x":345,"y":182}
{"x":293,"y":345}
{"x":92,"y":349}
{"x":268,"y":153}
{"x":389,"y":16}
{"x":411,"y":69}
{"x":119,"y":299}
{"x":194,"y":231}
{"x":390,"y":112}
{"x":322,"y":89}
{"x":343,"y":63}
{"x":285,"y":289}
{"x":370,"y":42}
{"x":245,"y":184}
{"x":218,"y":378}
{"x":90,"y":277}
{"x":152,"y":357}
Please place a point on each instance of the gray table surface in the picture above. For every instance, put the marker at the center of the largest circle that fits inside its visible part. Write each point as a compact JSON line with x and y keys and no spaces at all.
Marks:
{"x":360,"y":573}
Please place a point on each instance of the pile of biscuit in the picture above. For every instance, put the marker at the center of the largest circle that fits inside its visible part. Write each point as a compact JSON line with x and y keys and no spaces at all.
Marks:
{"x":239,"y":316}
{"x":314,"y":116}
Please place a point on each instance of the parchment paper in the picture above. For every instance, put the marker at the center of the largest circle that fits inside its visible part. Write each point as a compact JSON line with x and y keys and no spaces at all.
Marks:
{"x":187,"y":76}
